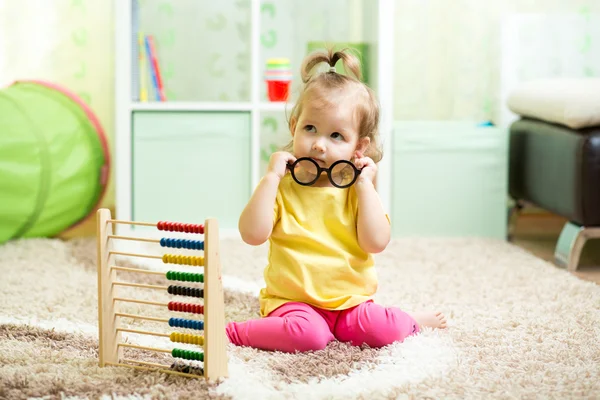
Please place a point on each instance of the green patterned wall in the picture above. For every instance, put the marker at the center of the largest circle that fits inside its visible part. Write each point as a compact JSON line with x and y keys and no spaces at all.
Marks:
{"x":203,"y":47}
{"x":448,"y":54}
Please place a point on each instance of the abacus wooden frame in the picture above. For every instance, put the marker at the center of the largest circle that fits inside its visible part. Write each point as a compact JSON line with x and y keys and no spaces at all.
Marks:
{"x":215,"y":356}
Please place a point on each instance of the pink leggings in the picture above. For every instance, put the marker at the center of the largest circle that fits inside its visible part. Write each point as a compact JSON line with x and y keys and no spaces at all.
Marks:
{"x":301,"y":327}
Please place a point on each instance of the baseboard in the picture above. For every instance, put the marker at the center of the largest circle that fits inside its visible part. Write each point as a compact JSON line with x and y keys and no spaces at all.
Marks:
{"x":539,"y":223}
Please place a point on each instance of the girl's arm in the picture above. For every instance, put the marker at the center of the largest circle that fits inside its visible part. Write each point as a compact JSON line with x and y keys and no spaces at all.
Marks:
{"x":373,"y":226}
{"x":256,"y":222}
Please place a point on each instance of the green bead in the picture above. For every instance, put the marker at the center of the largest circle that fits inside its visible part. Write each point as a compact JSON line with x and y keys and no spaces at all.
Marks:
{"x":187,"y":354}
{"x":185,"y":276}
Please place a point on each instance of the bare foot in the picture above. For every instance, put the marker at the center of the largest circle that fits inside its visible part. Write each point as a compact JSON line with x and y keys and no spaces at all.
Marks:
{"x":430,"y":319}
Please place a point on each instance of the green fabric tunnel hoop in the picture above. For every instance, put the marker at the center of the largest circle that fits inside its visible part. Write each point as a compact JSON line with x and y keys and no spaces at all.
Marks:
{"x":54,"y":160}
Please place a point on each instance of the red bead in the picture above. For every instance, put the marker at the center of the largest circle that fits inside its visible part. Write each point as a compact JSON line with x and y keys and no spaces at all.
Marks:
{"x":201,"y":230}
{"x":186,"y":307}
{"x":160,"y":225}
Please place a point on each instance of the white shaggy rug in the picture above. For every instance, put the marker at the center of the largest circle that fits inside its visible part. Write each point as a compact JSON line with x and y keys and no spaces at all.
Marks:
{"x":518,"y":328}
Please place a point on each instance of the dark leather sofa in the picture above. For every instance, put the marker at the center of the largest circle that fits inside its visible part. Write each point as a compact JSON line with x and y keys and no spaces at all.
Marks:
{"x":558,"y":169}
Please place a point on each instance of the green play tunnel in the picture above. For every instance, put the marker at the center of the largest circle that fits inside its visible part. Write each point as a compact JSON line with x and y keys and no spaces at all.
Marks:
{"x":54,"y":160}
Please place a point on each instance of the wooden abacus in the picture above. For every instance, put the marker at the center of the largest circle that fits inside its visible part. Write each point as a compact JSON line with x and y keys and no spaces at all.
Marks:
{"x":110,"y":318}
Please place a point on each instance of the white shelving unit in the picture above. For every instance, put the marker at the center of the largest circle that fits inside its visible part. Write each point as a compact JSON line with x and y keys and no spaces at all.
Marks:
{"x":382,"y":10}
{"x":209,"y":106}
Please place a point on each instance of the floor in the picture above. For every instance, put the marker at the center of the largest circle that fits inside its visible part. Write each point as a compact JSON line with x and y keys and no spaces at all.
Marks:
{"x":538,"y":233}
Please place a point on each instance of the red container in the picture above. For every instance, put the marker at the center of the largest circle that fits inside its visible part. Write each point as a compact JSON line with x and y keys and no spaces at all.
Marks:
{"x":278,"y":90}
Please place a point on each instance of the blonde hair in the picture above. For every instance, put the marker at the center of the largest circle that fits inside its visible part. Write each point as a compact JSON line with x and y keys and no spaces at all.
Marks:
{"x":367,"y":107}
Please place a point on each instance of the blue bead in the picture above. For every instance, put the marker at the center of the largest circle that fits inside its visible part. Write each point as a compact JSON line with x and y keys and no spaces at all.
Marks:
{"x":163,"y":242}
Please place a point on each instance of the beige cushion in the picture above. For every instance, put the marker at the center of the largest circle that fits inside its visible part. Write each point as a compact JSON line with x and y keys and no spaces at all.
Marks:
{"x":574,"y":102}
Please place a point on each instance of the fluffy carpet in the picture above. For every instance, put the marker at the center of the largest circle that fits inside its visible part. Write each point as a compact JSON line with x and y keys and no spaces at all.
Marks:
{"x":518,"y":328}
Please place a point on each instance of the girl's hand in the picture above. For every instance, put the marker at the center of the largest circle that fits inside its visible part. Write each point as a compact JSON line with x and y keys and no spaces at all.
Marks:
{"x":369,"y":168}
{"x":278,"y":163}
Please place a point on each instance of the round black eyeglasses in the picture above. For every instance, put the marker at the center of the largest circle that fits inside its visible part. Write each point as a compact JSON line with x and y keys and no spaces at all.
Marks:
{"x":306,"y":172}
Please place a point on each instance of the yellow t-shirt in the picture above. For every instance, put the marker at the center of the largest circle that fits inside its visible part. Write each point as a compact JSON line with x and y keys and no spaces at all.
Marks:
{"x":314,"y":256}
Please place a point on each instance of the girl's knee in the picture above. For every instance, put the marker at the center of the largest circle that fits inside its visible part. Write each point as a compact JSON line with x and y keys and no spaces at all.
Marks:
{"x":383,"y":336}
{"x":306,"y":336}
{"x":376,"y":326}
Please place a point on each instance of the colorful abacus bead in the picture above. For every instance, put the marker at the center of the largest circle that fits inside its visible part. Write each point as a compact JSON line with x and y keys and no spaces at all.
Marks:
{"x":182,"y":244}
{"x":179,"y":227}
{"x":197,"y":261}
{"x":185,"y":291}
{"x":179,"y":337}
{"x":186,"y":323}
{"x":184,"y":276}
{"x":188,"y":354}
{"x":186,"y":307}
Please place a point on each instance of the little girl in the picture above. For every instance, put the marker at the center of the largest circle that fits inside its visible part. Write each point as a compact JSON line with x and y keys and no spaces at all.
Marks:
{"x":320,"y":276}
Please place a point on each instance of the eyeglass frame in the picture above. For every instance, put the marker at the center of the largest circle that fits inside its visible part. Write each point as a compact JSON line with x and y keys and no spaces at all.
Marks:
{"x":321,"y":170}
